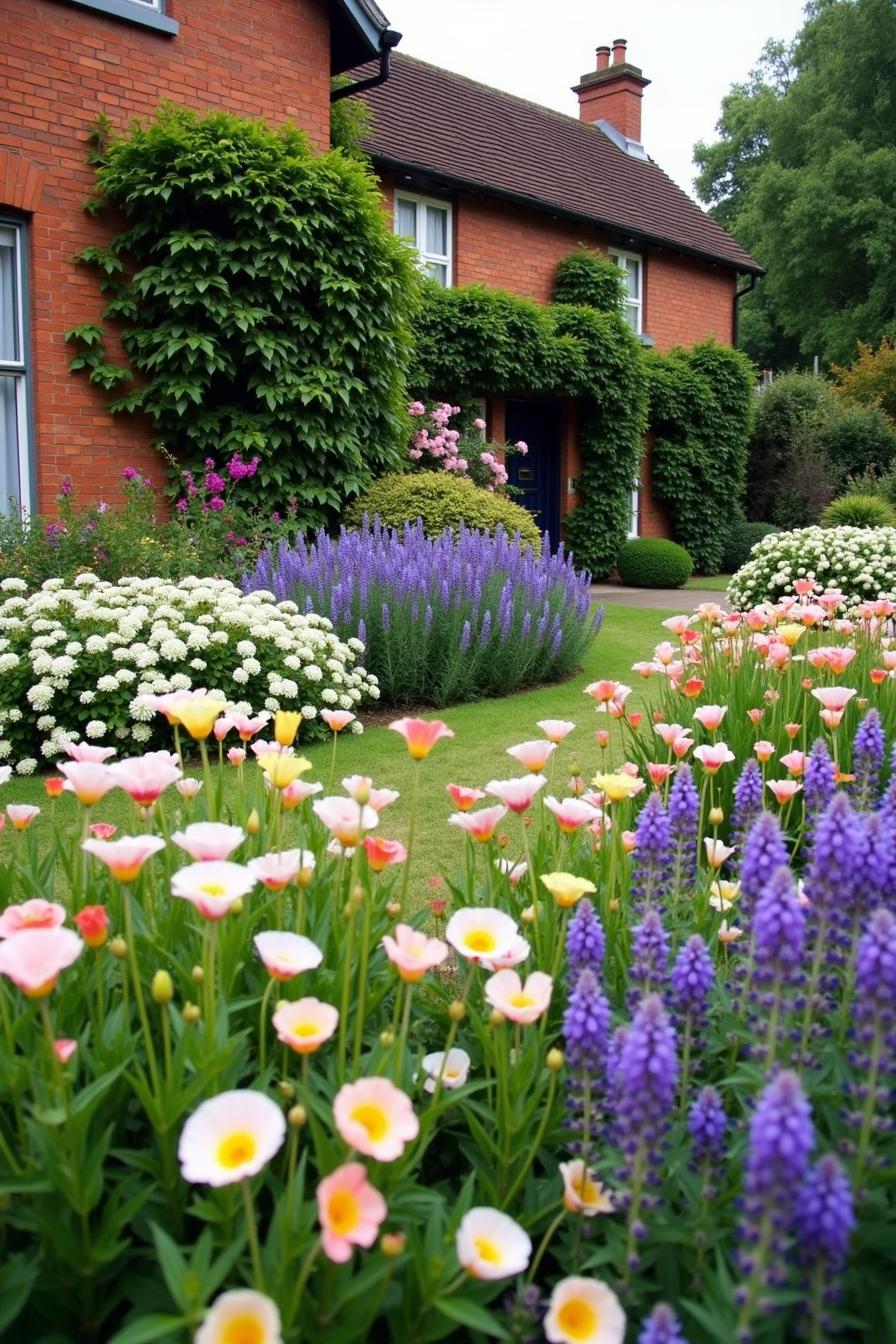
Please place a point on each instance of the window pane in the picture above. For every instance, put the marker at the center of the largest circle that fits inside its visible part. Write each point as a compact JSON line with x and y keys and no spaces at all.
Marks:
{"x":9,"y":300}
{"x":438,"y":270}
{"x":436,"y":231}
{"x":9,"y":443}
{"x":630,"y":312}
{"x":633,"y":278}
{"x":406,"y":219}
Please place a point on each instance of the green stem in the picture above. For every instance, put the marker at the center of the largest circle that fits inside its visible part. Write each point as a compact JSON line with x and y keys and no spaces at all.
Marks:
{"x":263,"y":1025}
{"x":412,"y":826}
{"x":138,"y":995}
{"x":252,"y":1234}
{"x":360,"y":1006}
{"x":536,"y":1142}
{"x":543,"y":1245}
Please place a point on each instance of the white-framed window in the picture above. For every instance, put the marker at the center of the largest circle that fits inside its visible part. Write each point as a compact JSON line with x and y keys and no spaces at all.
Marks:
{"x":634,"y":521}
{"x":427,"y":223}
{"x":633,"y":266}
{"x":15,"y":476}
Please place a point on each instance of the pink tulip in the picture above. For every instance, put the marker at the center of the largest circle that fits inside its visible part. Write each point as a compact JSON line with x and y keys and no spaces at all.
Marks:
{"x":711,"y":716}
{"x":88,"y":751}
{"x":382,"y":854}
{"x":712,"y":758}
{"x":479,"y":825}
{"x":783,"y":789}
{"x":33,"y":914}
{"x":89,"y":781}
{"x":125,"y":857}
{"x":145,"y":778}
{"x":21,"y":815}
{"x":421,"y":735}
{"x":571,"y":813}
{"x":350,"y":1211}
{"x":834,"y":698}
{"x":412,"y":953}
{"x":517,"y":794}
{"x":34,"y":959}
{"x":533,"y":756}
{"x":337,"y":719}
{"x":207,"y":841}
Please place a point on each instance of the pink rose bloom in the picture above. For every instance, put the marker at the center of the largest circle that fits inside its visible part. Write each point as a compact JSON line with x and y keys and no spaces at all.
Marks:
{"x":34,"y":914}
{"x":350,"y":1211}
{"x":479,"y":423}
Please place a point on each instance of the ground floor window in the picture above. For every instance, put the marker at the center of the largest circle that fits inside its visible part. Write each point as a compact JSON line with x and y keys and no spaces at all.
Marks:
{"x":634,"y":521}
{"x":14,"y":456}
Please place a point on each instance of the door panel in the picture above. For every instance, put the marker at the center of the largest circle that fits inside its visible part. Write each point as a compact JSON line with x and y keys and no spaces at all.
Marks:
{"x":536,"y":477}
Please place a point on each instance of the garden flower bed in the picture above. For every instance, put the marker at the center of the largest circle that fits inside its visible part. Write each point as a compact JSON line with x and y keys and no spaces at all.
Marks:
{"x":632,"y":1070}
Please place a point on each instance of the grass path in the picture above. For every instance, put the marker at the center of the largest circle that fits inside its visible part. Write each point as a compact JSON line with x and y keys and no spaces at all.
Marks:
{"x":483,"y":731}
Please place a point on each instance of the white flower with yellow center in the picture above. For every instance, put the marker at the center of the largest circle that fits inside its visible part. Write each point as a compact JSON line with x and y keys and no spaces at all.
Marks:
{"x":453,"y":1069}
{"x":375,"y":1117}
{"x":520,"y":1003}
{"x":584,"y":1311}
{"x":240,"y":1317}
{"x":481,"y":932}
{"x":490,"y":1245}
{"x":212,"y":887}
{"x":230,"y":1137}
{"x":582,"y":1192}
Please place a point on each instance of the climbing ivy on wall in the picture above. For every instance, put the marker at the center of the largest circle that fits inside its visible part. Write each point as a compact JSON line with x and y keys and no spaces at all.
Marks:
{"x":700,"y":410}
{"x":264,"y":304}
{"x":472,"y":342}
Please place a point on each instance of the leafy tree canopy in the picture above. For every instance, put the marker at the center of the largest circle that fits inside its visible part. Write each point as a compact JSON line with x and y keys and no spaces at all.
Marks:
{"x":804,"y":176}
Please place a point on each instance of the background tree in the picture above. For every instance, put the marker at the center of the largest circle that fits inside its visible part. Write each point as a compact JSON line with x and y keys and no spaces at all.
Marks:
{"x":804,"y":175}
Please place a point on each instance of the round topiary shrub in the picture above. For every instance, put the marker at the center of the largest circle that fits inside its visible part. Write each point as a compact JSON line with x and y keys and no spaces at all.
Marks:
{"x":859,"y":511}
{"x":651,"y":562}
{"x":442,"y":501}
{"x":742,"y":537}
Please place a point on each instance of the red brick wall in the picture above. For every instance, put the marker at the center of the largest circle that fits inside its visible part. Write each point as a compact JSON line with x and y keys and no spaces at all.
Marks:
{"x":60,"y":67}
{"x":687,"y":301}
{"x":509,"y":247}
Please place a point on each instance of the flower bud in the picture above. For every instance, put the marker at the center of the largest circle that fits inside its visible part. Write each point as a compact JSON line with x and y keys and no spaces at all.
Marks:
{"x":529,"y":915}
{"x":716,"y":816}
{"x":357,"y":897}
{"x":286,"y":1089}
{"x":387,"y":1038}
{"x":197,"y":975}
{"x":393,"y":1243}
{"x":118,"y":947}
{"x":236,"y":908}
{"x":614,"y":903}
{"x":253,"y":822}
{"x":162,"y":987}
{"x":457,"y":1010}
{"x":555,"y":1060}
{"x":393,"y":909}
{"x":296,"y":1116}
{"x":496,"y":1018}
{"x":191,"y":1012}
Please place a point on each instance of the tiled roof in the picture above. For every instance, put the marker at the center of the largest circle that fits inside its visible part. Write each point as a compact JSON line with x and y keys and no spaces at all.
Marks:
{"x":448,"y":127}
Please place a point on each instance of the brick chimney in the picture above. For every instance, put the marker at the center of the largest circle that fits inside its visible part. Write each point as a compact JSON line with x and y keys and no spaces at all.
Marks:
{"x":612,"y":92}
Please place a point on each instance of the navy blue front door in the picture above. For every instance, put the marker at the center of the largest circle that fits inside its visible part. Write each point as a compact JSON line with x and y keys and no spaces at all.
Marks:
{"x":536,"y":477}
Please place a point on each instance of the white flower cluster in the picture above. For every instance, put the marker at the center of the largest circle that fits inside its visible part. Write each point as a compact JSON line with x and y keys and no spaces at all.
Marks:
{"x":77,"y":660}
{"x":860,"y":562}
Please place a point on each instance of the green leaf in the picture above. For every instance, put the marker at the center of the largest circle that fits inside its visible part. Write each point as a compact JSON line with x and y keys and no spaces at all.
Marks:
{"x":148,"y":1328}
{"x":466,"y":1312}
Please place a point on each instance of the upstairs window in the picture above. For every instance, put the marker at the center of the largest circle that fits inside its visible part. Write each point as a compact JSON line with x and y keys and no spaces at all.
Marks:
{"x":427,"y":223}
{"x":14,"y":373}
{"x":633,"y":266}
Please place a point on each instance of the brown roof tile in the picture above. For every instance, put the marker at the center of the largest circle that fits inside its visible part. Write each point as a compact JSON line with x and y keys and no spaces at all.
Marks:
{"x":447,"y":126}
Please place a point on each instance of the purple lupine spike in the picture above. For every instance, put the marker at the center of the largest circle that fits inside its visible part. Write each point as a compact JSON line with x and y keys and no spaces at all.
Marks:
{"x":873,"y":1056}
{"x":652,"y":863}
{"x":692,"y":979}
{"x":650,"y":958}
{"x":867,"y":759}
{"x":779,"y":940}
{"x":645,"y":1077}
{"x":780,"y":1144}
{"x":662,"y":1327}
{"x":824,"y":1216}
{"x":819,"y":782}
{"x":586,"y":1030}
{"x":684,"y":812}
{"x":707,"y":1125}
{"x":764,"y":852}
{"x":485,"y":631}
{"x":835,"y":867}
{"x":585,"y":943}
{"x":747,"y":802}
{"x":466,"y":635}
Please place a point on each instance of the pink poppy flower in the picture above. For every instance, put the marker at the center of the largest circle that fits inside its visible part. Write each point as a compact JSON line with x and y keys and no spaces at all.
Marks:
{"x":337,"y":719}
{"x":764,"y":750}
{"x":346,"y":820}
{"x":93,"y":924}
{"x":711,"y":716}
{"x":658,"y":772}
{"x":669,"y":732}
{"x":276,"y":871}
{"x":221,"y":727}
{"x":716,"y":852}
{"x":533,"y":756}
{"x":188,"y":788}
{"x":478,"y":932}
{"x":360,"y":788}
{"x":517,"y":794}
{"x":286,"y":955}
{"x":297,"y":793}
{"x":783,"y":789}
{"x":515,"y":954}
{"x":514,"y":872}
{"x":522,"y":1003}
{"x":490,"y":1245}
{"x":64,"y":1049}
{"x":555,"y":730}
{"x":87,"y":751}
{"x":247,"y":727}
{"x":412,"y":953}
{"x":602,"y":691}
{"x":833,"y":698}
{"x":102,"y":830}
{"x":145,"y":778}
{"x":421,"y":735}
{"x":34,"y":914}
{"x":375,"y":1117}
{"x":794,"y":762}
{"x":236,"y":755}
{"x":34,"y":959}
{"x":463,"y":799}
{"x":479,"y":825}
{"x":571,"y":813}
{"x":212,"y":887}
{"x":382,"y":854}
{"x":207,"y":841}
{"x":89,"y":781}
{"x":712,"y":758}
{"x":305,"y":1025}
{"x":125,"y":857}
{"x":21,"y":815}
{"x":350,"y":1211}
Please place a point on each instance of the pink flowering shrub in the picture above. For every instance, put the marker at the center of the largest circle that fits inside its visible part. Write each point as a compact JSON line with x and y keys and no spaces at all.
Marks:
{"x":437,"y":445}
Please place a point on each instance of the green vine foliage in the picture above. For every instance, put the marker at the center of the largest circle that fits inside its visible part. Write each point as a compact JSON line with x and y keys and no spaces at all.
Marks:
{"x":473,"y":342}
{"x":587,"y":277}
{"x":700,"y":410}
{"x":264,"y":304}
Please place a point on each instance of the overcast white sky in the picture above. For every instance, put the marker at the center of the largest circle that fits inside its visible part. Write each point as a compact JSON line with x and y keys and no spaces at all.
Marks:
{"x":691,"y":50}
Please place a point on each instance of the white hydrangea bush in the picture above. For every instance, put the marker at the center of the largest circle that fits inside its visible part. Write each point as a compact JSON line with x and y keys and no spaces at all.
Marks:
{"x":76,"y":660}
{"x":859,"y":562}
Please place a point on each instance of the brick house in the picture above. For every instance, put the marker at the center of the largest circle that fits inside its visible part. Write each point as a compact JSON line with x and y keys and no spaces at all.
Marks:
{"x":62,"y":64}
{"x":496,"y":190}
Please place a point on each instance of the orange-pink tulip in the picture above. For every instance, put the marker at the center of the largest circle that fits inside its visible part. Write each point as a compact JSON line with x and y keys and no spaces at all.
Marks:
{"x":421,"y":735}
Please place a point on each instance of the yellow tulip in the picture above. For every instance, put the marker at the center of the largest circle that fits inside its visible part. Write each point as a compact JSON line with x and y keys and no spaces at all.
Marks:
{"x":789,"y":633}
{"x":286,"y":725}
{"x":616,"y":788}
{"x":282,"y":770}
{"x":567,"y":889}
{"x":197,"y":715}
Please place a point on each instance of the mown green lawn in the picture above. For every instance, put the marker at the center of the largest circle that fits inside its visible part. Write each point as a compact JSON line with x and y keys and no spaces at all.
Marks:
{"x":475,"y":755}
{"x":713,"y":582}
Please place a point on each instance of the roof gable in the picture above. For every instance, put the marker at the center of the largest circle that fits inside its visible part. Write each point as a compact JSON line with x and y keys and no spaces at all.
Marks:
{"x":468,"y":134}
{"x":357,"y":28}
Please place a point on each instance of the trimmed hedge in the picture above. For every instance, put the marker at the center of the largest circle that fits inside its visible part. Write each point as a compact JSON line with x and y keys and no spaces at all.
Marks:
{"x":652,"y":562}
{"x":859,"y":511}
{"x":442,"y":501}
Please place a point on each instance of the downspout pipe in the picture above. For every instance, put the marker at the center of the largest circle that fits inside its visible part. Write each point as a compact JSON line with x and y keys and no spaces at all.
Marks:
{"x":738,"y":295}
{"x":388,"y":41}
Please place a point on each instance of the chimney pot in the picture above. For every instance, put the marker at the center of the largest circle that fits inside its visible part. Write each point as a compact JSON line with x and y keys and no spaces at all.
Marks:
{"x":619,"y":46}
{"x":611,"y":93}
{"x":603,"y":58}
